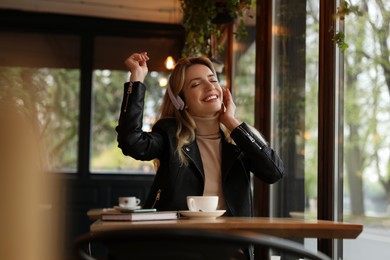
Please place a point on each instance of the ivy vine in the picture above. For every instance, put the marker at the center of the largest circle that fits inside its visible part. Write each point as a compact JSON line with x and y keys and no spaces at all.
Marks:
{"x":202,"y":21}
{"x":344,"y":9}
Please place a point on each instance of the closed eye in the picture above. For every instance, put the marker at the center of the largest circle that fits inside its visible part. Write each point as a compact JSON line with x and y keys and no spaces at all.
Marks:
{"x":198,"y":81}
{"x":212,"y":78}
{"x":195,"y":84}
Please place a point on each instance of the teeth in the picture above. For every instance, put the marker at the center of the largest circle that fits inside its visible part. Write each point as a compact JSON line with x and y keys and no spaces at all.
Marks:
{"x":210,"y":98}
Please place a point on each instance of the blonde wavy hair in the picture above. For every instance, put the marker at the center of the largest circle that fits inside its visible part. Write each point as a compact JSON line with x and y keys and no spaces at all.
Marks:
{"x":186,"y":125}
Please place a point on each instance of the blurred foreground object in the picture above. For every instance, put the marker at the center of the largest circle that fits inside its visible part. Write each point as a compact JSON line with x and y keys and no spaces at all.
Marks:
{"x":29,"y":225}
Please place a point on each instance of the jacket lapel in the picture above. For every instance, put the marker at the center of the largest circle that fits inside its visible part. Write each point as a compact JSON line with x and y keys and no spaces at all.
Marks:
{"x":230,"y":153}
{"x":192,"y":152}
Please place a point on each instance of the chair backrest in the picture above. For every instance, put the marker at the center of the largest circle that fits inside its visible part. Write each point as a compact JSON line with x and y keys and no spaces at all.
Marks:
{"x":183,"y":244}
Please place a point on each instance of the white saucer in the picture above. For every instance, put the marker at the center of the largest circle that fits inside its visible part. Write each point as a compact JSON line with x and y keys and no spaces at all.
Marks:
{"x":202,"y":215}
{"x":126,"y":208}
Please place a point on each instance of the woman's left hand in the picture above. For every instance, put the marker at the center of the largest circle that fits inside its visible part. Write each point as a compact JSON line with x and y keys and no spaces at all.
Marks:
{"x":137,"y":65}
{"x":228,"y":110}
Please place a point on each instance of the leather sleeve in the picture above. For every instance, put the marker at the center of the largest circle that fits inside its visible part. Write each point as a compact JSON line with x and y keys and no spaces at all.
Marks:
{"x":263,"y":161}
{"x":131,"y":139}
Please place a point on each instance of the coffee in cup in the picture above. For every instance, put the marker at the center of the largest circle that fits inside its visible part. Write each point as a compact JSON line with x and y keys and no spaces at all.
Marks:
{"x":202,"y":203}
{"x":128,"y":202}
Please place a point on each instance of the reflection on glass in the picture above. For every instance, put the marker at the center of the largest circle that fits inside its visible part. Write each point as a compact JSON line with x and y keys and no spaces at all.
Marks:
{"x":295,"y":107}
{"x":244,"y":83}
{"x":295,"y":93}
{"x":244,"y":57}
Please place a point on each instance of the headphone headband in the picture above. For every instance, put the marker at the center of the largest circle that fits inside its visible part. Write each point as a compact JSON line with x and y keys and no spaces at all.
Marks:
{"x":177,"y":102}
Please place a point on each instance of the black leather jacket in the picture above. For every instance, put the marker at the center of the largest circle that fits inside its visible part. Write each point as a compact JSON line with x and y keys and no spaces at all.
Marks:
{"x":173,"y":182}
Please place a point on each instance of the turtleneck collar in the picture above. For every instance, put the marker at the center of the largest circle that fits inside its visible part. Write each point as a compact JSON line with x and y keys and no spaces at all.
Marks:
{"x":207,"y":125}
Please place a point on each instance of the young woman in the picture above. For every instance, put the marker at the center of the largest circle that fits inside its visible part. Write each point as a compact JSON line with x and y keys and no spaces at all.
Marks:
{"x":200,"y":146}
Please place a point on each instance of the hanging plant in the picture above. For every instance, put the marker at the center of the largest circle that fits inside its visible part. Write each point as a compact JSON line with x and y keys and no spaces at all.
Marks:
{"x":344,"y":9}
{"x":203,"y":22}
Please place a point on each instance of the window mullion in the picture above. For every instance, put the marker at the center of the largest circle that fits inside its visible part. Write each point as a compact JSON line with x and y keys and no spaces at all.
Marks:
{"x":85,"y":105}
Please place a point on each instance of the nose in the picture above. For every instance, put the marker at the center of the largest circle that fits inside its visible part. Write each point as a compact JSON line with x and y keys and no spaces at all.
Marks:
{"x":209,"y":86}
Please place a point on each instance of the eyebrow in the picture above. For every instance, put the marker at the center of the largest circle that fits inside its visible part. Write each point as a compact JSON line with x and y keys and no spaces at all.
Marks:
{"x":198,"y":78}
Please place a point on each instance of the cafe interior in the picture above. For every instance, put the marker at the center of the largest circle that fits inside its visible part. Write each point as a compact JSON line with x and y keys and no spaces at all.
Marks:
{"x":312,"y":76}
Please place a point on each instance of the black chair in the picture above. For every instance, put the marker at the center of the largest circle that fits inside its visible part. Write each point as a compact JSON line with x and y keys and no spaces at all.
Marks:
{"x":183,"y":244}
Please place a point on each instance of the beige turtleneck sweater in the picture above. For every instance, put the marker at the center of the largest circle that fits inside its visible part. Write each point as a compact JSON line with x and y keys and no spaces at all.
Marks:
{"x":208,"y":139}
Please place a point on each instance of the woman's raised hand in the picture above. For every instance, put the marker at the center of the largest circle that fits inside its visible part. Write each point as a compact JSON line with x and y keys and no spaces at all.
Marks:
{"x":137,"y":64}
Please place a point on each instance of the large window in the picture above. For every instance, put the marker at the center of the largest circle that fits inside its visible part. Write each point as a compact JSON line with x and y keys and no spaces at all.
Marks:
{"x":366,"y":122}
{"x":43,"y":80}
{"x":362,"y":112}
{"x":49,"y":81}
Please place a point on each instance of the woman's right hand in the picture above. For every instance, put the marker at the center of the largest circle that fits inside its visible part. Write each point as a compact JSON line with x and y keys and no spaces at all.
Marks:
{"x":137,"y":65}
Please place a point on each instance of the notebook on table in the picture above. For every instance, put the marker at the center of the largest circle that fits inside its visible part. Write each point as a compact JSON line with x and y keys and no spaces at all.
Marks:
{"x":140,"y":215}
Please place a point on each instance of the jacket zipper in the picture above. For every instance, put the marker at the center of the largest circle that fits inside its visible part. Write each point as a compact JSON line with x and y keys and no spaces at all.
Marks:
{"x":157,"y":198}
{"x":249,"y":136}
{"x":129,"y":90}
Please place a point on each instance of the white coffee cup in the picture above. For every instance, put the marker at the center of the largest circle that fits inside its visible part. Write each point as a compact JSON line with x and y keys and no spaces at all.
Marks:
{"x":202,"y":203}
{"x":128,"y":202}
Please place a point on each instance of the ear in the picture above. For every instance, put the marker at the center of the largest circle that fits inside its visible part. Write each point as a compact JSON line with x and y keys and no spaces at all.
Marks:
{"x":176,"y":100}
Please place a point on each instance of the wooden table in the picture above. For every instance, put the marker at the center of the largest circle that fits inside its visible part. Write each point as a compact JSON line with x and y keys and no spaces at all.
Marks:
{"x":279,"y":227}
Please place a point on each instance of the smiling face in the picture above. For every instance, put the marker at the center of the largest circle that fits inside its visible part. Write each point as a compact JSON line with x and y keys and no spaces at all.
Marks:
{"x":202,"y":92}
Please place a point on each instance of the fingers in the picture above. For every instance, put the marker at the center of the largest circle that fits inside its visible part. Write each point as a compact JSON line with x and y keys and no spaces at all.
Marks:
{"x":140,"y":57}
{"x":137,"y":59}
{"x":223,"y":108}
{"x":228,"y":103}
{"x":227,"y":96}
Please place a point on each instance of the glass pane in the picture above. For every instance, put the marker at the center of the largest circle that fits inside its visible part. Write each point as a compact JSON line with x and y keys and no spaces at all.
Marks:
{"x":244,"y":78}
{"x":366,"y":130}
{"x":243,"y":74}
{"x":294,"y":107}
{"x":43,"y":82}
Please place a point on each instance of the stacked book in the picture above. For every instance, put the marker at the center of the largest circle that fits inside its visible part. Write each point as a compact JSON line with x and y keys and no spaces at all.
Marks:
{"x":139,"y":215}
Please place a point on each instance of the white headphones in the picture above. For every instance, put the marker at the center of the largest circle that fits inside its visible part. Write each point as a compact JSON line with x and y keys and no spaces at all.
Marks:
{"x":177,"y":102}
